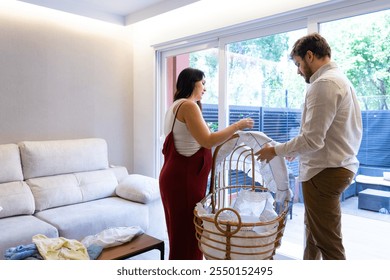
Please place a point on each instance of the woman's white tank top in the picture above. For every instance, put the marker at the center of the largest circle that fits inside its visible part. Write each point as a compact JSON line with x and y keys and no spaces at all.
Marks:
{"x":185,"y":144}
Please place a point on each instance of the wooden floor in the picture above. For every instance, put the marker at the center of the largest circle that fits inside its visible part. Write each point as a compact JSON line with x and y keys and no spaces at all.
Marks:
{"x":366,"y":234}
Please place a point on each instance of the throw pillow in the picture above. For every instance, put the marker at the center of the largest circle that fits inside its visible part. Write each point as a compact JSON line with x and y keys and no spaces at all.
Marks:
{"x":138,"y":188}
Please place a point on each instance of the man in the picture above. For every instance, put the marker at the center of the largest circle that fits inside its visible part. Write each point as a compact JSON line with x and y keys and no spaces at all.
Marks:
{"x":327,"y":145}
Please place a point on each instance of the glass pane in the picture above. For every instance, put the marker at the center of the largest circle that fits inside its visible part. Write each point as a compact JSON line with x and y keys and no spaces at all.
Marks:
{"x":263,"y":84}
{"x":361,"y":47}
{"x":260,"y":72}
{"x":207,"y":61}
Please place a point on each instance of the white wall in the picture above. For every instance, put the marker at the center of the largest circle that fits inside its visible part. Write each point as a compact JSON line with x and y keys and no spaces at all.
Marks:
{"x":64,"y":77}
{"x":190,"y":20}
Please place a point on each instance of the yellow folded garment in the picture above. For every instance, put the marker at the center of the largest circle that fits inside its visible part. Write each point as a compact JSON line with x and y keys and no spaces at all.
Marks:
{"x":60,"y":248}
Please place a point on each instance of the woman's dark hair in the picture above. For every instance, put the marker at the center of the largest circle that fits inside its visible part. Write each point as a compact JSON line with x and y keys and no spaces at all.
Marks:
{"x":313,"y":42}
{"x":186,"y":83}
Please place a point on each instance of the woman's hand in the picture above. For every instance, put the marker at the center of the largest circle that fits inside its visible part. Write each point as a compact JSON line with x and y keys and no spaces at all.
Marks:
{"x":244,"y":123}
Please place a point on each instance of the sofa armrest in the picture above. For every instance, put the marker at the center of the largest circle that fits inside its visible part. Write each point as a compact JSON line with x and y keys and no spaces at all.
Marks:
{"x":138,"y":188}
{"x":119,"y":171}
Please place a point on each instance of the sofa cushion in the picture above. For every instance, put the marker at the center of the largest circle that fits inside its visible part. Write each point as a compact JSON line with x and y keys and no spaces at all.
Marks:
{"x":80,"y":220}
{"x":46,"y":158}
{"x":16,"y":199}
{"x":60,"y":190}
{"x":11,"y":168}
{"x":97,"y":184}
{"x":19,"y":230}
{"x":54,"y":191}
{"x":138,"y":188}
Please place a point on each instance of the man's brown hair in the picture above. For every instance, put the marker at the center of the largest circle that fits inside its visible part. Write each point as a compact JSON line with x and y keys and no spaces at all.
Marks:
{"x":313,"y":42}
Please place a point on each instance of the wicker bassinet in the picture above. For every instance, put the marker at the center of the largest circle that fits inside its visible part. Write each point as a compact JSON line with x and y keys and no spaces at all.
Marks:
{"x":225,"y":230}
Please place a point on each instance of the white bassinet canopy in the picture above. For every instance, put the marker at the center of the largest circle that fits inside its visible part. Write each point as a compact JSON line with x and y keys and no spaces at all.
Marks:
{"x":274,"y":174}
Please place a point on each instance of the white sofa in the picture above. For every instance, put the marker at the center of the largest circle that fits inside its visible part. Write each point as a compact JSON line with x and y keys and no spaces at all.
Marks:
{"x":66,"y":188}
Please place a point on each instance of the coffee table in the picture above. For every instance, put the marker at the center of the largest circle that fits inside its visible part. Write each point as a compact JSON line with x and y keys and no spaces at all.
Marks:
{"x":140,"y":244}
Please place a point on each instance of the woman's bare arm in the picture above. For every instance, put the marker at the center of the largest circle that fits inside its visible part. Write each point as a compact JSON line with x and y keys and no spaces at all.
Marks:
{"x":191,"y":114}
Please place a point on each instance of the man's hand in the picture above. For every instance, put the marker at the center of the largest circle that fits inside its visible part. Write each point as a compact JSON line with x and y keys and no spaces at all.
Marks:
{"x":266,"y":153}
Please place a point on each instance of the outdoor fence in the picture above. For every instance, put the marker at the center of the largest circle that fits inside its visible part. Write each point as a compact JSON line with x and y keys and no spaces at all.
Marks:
{"x":282,"y":124}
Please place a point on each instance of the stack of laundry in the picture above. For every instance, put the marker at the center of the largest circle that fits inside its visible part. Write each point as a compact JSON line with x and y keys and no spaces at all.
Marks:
{"x":60,"y":248}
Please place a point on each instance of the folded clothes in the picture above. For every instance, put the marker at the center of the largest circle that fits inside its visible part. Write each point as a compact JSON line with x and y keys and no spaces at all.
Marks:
{"x":21,"y":252}
{"x":60,"y":248}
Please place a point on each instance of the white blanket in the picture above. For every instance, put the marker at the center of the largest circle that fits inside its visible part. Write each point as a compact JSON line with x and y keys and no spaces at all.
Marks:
{"x":112,"y":236}
{"x":274,"y":174}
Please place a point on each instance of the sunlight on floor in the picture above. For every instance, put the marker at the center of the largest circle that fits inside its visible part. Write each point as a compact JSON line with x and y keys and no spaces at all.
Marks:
{"x":365,"y":233}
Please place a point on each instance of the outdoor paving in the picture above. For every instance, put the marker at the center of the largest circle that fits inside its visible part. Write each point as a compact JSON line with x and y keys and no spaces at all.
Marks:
{"x":365,"y":233}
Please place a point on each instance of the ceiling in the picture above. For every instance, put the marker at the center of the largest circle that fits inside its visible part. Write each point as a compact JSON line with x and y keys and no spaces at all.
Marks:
{"x":123,"y":12}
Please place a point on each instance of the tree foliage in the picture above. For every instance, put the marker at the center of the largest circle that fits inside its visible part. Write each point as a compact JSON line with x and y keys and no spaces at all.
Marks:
{"x":259,"y":72}
{"x":362,"y":49}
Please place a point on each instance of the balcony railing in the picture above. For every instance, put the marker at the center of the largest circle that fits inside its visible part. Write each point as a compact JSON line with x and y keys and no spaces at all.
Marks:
{"x":282,"y":124}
